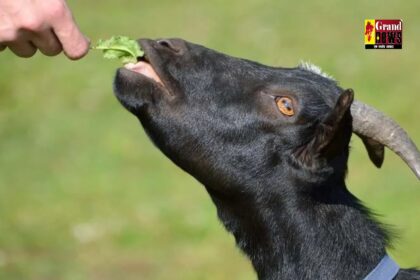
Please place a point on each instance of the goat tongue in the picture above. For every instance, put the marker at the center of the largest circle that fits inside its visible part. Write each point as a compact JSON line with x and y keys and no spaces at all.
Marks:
{"x":144,"y":69}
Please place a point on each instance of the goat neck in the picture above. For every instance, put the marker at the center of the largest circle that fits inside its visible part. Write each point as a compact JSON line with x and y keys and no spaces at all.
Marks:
{"x":290,"y":233}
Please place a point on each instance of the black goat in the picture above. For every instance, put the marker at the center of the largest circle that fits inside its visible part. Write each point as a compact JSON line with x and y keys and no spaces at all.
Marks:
{"x":271,"y":147}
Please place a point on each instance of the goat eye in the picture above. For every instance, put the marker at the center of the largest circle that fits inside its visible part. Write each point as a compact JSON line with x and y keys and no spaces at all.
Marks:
{"x":285,"y":105}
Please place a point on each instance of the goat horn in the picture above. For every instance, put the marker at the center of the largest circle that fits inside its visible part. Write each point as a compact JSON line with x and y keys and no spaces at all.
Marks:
{"x":373,"y":124}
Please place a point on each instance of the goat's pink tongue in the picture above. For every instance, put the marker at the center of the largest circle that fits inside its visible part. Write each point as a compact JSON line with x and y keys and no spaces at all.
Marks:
{"x":145,"y":69}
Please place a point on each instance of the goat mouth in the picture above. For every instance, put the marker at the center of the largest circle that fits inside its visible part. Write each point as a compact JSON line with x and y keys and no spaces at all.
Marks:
{"x":144,"y":68}
{"x":147,"y":69}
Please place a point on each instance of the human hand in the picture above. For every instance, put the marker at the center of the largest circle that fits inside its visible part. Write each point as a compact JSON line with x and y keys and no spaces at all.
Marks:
{"x":47,"y":25}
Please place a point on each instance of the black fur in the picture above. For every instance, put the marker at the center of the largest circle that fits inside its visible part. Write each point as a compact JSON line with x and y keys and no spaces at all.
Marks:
{"x":278,"y":181}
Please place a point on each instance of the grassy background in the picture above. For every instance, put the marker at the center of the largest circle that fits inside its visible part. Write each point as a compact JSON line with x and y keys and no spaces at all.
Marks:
{"x":84,"y":194}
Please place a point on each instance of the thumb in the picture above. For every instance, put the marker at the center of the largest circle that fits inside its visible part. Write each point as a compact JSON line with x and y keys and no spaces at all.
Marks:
{"x":75,"y":44}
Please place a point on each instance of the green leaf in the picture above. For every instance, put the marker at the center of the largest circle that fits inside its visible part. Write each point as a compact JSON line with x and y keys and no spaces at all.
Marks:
{"x":120,"y":47}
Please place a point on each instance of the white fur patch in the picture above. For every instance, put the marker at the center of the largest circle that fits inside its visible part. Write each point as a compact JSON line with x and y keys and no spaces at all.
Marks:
{"x":314,"y":69}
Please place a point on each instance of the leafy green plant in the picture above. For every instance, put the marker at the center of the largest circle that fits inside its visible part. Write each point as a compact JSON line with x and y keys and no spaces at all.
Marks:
{"x":120,"y":47}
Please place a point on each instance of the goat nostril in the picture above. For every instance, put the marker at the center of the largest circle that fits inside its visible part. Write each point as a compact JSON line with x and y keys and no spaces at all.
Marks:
{"x":164,"y":43}
{"x":167,"y":44}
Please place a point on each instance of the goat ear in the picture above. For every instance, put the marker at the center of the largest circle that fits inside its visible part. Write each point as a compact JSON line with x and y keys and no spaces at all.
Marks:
{"x":332,"y":134}
{"x":376,"y":150}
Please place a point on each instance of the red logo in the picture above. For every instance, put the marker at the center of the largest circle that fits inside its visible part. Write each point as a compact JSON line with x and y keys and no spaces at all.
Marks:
{"x":368,"y":30}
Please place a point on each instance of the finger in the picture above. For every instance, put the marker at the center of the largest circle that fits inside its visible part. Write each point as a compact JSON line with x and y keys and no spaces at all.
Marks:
{"x":47,"y":43}
{"x":74,"y":43}
{"x":22,"y":48}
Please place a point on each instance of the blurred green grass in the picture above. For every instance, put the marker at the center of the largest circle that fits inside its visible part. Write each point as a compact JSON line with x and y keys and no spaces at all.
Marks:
{"x":85,"y":195}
